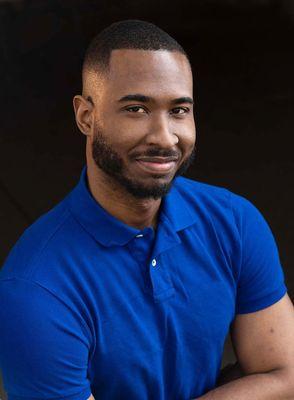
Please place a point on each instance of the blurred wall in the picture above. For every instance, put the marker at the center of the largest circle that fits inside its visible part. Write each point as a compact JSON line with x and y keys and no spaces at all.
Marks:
{"x":243,"y":66}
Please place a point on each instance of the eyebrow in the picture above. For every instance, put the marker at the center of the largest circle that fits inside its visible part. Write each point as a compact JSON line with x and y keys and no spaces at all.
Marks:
{"x":145,"y":99}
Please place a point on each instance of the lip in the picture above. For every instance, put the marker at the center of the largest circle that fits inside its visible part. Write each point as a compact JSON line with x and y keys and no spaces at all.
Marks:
{"x":158,"y":159}
{"x":162,"y":167}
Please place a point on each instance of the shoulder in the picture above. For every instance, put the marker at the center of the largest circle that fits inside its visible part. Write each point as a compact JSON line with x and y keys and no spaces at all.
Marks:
{"x":31,"y":244}
{"x":217,"y":206}
{"x":213,"y":196}
{"x":43,"y":262}
{"x":203,"y":196}
{"x":184,"y":184}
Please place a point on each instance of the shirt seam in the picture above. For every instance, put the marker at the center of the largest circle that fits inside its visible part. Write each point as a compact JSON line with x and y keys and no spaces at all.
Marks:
{"x":265,"y":294}
{"x":72,"y":214}
{"x":240,"y":236}
{"x":36,"y":257}
{"x":281,"y":289}
{"x":61,"y":300}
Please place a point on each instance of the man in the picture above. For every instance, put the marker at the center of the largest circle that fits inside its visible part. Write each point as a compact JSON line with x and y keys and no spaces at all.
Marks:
{"x":127,"y":288}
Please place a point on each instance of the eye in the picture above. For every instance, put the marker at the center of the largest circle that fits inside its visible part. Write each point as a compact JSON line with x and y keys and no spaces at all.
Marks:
{"x":136,"y":109}
{"x":180,"y":110}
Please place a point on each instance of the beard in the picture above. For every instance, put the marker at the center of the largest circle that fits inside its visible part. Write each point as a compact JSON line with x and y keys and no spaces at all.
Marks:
{"x":110,"y":162}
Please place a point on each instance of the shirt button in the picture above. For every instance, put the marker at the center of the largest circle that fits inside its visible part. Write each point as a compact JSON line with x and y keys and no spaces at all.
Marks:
{"x":153,"y":262}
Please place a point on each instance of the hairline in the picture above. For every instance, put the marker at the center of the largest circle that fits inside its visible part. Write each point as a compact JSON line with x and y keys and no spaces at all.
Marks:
{"x":103,"y":69}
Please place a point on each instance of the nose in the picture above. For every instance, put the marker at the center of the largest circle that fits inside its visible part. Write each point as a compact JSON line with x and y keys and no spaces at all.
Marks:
{"x":161,"y":133}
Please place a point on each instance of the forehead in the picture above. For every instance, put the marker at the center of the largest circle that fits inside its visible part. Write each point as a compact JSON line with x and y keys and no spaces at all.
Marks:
{"x":152,"y":73}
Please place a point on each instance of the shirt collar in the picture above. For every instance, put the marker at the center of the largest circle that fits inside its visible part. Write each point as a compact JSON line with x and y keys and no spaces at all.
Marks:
{"x":110,"y":231}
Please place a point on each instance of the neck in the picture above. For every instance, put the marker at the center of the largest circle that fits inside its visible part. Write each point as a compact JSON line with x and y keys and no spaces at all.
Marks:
{"x":138,"y":213}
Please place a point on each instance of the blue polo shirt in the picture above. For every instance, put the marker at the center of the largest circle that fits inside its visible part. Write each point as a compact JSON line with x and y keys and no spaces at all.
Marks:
{"x":90,"y":304}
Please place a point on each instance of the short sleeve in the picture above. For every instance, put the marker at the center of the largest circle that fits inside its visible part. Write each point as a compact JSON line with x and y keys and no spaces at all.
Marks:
{"x":44,"y":347}
{"x":261,"y":280}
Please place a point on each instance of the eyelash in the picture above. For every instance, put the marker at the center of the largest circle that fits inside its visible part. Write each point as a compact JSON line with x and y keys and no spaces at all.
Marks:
{"x":186,"y":109}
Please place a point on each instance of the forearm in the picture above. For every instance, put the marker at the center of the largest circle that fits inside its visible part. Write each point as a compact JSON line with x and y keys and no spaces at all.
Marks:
{"x":273,"y":385}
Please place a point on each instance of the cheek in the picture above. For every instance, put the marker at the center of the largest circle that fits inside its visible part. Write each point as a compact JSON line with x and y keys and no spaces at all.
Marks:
{"x":188,"y":137}
{"x":127,"y":132}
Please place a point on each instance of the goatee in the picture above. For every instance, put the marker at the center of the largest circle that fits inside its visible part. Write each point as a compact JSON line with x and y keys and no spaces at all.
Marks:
{"x":109,"y":161}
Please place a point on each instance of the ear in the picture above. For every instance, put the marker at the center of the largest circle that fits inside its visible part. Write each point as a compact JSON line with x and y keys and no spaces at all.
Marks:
{"x":84,"y":114}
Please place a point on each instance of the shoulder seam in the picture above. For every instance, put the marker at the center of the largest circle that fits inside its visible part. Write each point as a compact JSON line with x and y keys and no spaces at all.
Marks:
{"x":61,"y":300}
{"x":35,"y":258}
{"x":77,"y":221}
{"x":233,"y":213}
{"x":239,"y":232}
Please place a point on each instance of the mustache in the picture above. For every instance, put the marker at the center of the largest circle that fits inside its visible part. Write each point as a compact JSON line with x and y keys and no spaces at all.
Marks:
{"x":157,"y":153}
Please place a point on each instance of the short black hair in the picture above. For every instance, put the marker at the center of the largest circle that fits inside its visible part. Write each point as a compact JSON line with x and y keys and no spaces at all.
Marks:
{"x":127,"y":34}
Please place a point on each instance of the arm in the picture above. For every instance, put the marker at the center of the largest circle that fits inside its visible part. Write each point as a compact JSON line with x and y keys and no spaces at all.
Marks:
{"x":38,"y":330}
{"x":264,"y":346}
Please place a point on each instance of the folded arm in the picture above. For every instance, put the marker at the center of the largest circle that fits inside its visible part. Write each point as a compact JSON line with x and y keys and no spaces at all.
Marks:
{"x":264,"y":346}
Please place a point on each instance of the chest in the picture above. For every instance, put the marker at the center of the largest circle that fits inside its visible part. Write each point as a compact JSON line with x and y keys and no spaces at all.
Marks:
{"x":156,"y":321}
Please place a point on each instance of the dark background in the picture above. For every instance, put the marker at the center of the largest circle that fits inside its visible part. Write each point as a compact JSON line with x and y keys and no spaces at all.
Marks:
{"x":243,"y":63}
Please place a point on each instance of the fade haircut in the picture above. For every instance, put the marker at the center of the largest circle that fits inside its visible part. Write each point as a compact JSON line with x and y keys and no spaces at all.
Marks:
{"x":127,"y":34}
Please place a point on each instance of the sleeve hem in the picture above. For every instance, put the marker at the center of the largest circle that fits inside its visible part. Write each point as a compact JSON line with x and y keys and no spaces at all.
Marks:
{"x":263,"y":302}
{"x":84,"y":395}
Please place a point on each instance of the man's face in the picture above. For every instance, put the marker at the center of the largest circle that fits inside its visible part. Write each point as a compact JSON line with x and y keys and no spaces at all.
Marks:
{"x":144,"y":131}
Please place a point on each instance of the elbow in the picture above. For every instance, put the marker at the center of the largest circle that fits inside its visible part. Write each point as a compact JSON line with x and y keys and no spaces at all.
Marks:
{"x":286,"y":375}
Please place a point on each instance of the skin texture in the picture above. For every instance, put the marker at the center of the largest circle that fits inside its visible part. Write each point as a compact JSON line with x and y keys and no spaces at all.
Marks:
{"x":119,"y":132}
{"x":124,"y":130}
{"x":264,"y":346}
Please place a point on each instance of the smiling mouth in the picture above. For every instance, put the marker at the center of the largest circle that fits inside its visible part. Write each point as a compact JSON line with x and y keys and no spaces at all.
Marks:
{"x":156,"y":166}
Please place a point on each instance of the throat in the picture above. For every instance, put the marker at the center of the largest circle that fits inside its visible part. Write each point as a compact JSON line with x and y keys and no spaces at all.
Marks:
{"x":137,"y":213}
